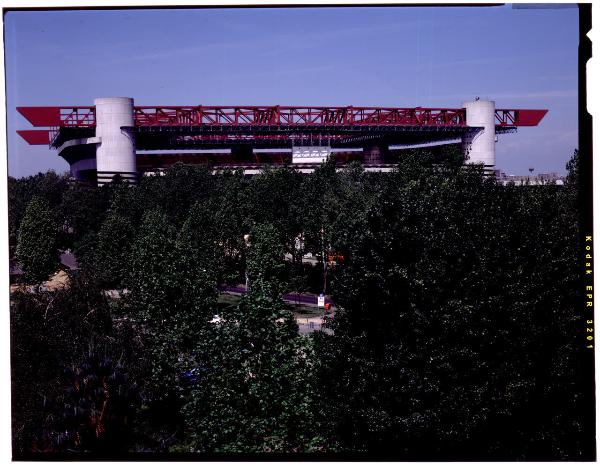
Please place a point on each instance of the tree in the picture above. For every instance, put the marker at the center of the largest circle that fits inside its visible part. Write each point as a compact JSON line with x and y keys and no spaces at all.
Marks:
{"x":173,"y":294}
{"x":457,"y":335}
{"x":229,"y":210}
{"x":96,"y":410}
{"x":153,"y":297}
{"x":50,"y":330}
{"x":573,"y":169}
{"x":84,"y":209}
{"x":252,"y":387}
{"x":274,"y":197}
{"x":49,"y":186}
{"x":198,"y":260}
{"x":177,"y":190}
{"x":112,"y":252}
{"x":37,"y":246}
{"x":454,"y":326}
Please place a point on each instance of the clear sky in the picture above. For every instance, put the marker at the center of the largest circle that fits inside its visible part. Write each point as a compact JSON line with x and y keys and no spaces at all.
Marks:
{"x":387,"y":56}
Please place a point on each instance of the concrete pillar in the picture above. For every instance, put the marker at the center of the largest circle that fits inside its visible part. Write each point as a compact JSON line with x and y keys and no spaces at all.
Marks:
{"x":115,"y":155}
{"x":481,"y":147}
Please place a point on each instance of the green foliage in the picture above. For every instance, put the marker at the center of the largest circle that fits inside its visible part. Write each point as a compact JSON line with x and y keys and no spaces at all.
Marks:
{"x":572,"y":195}
{"x":96,"y":409}
{"x":128,"y":202}
{"x":198,"y":263}
{"x":37,"y":251}
{"x":455,"y":335}
{"x":264,"y":263}
{"x":573,"y":169}
{"x":48,"y":331}
{"x":113,"y":250}
{"x":84,"y":209}
{"x":177,"y":191}
{"x":153,"y":297}
{"x":49,"y":186}
{"x":229,"y":208}
{"x":173,"y":296}
{"x":274,"y":197}
{"x":84,"y":250}
{"x":153,"y":280}
{"x":173,"y":277}
{"x":253,"y":390}
{"x":455,"y":320}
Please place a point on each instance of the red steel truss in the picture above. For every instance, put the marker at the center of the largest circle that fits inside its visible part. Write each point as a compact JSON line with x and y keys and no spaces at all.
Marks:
{"x":277,"y":115}
{"x":296,"y":116}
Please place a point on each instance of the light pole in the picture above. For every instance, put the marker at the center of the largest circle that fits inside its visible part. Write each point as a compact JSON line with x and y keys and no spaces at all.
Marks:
{"x":247,"y":243}
{"x":324,"y":261}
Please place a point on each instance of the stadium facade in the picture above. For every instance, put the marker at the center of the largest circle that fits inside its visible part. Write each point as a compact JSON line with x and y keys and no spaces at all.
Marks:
{"x":115,"y":137}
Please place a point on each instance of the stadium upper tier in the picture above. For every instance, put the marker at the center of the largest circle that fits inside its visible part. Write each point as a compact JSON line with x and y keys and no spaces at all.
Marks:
{"x":112,"y":130}
{"x":272,"y":125}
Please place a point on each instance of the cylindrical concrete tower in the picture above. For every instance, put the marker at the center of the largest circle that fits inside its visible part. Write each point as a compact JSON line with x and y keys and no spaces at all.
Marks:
{"x":480,"y":147}
{"x":115,"y":155}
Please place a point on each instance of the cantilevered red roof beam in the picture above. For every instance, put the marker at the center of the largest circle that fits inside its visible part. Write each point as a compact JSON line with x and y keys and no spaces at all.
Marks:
{"x":41,"y":116}
{"x":35,"y":137}
{"x":59,"y":116}
{"x":277,"y":115}
{"x":519,"y":117}
{"x":329,"y":118}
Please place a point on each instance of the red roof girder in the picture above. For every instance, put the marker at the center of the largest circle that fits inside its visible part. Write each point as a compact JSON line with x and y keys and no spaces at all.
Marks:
{"x":35,"y":137}
{"x":80,"y":117}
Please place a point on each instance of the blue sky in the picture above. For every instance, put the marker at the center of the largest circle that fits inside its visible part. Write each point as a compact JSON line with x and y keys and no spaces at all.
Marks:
{"x":389,"y":56}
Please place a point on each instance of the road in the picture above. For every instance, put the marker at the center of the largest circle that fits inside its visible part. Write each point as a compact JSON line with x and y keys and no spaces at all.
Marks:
{"x":288,"y":297}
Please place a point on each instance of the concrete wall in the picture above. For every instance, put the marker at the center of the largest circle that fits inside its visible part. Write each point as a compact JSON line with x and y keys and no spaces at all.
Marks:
{"x":115,"y":154}
{"x":480,"y":147}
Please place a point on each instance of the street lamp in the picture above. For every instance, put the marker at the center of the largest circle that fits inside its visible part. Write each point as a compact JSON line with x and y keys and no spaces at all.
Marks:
{"x":247,"y":243}
{"x":324,"y":261}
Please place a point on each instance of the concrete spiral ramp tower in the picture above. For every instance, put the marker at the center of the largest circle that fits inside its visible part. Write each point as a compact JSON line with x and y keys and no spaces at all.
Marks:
{"x":480,"y":147}
{"x":115,"y":154}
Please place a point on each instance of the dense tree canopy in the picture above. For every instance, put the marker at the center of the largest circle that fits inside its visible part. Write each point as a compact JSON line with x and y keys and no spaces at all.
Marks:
{"x":453,"y":319}
{"x":253,"y":390}
{"x":48,"y":186}
{"x":37,"y":251}
{"x":456,"y":332}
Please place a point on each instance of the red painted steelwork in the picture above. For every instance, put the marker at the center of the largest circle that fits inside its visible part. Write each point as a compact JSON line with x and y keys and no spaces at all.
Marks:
{"x":41,"y":116}
{"x":59,"y":116}
{"x":35,"y":137}
{"x":296,"y":116}
{"x":256,"y":137}
{"x":85,"y":117}
{"x":277,"y":115}
{"x":519,"y":117}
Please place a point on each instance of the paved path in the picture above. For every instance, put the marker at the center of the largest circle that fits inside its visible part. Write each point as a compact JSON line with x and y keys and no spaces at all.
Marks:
{"x":306,"y":325}
{"x":67,"y":258}
{"x":311,"y":299}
